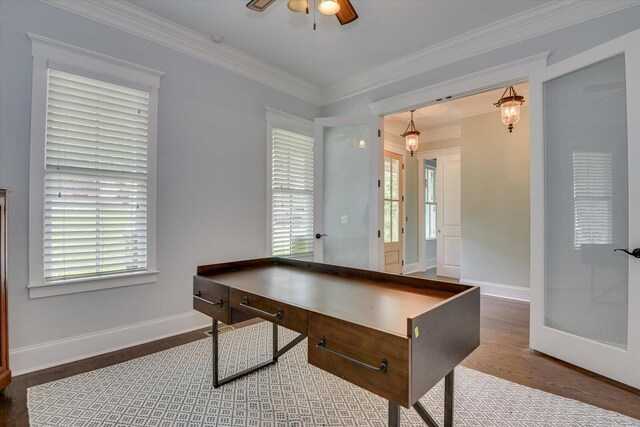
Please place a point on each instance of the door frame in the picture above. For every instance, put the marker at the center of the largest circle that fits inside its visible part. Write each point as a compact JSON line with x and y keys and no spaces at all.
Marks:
{"x":501,"y":75}
{"x":376,"y":247}
{"x":395,"y":148}
{"x":422,"y":156}
{"x":572,"y":348}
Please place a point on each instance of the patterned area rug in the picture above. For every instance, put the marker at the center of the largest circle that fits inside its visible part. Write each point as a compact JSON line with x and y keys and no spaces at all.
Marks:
{"x":173,"y":388}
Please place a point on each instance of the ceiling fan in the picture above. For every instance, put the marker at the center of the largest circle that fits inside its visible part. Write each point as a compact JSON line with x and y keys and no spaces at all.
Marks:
{"x":342,"y":9}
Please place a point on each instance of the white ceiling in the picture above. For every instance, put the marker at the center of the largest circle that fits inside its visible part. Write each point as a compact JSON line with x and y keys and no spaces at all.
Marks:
{"x":440,"y":121}
{"x":385,"y":30}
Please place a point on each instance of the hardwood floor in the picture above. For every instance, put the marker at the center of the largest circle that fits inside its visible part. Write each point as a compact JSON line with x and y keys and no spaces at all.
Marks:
{"x":503,"y":352}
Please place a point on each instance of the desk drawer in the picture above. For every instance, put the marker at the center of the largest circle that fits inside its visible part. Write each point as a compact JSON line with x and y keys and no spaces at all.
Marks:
{"x":285,"y":315}
{"x":207,"y":295}
{"x":356,"y":354}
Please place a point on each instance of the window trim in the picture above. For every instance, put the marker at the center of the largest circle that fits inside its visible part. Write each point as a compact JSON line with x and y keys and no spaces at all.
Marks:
{"x":51,"y":53}
{"x":289,"y":122}
{"x":429,"y":239}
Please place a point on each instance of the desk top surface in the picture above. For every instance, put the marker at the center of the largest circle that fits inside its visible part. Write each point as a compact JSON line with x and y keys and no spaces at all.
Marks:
{"x":382,"y":305}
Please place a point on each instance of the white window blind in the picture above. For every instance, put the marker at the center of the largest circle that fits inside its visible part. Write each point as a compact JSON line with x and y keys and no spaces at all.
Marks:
{"x":95,"y":208}
{"x":292,"y":194}
{"x":593,"y":198}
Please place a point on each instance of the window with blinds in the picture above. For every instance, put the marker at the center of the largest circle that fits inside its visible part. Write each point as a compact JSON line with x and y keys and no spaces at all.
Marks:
{"x":95,"y":207}
{"x":292,"y":194}
{"x":593,"y":198}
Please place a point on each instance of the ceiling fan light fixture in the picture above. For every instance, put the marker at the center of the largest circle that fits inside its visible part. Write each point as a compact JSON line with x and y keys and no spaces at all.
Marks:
{"x":509,"y":105}
{"x":329,"y":7}
{"x":298,"y":6}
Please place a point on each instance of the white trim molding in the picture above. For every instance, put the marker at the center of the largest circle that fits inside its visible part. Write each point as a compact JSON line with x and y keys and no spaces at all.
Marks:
{"x":518,"y":293}
{"x":53,"y":353}
{"x":431,"y":263}
{"x":442,"y":133}
{"x":411,"y":268}
{"x":135,"y":20}
{"x":549,"y":17}
{"x":479,"y":81}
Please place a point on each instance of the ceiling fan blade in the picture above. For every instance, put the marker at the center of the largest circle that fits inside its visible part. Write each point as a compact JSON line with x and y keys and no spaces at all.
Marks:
{"x":259,"y":5}
{"x":347,"y":13}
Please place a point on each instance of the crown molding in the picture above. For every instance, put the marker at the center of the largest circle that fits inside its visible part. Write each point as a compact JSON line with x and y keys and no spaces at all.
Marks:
{"x":142,"y":23}
{"x":442,"y":133}
{"x":549,"y":17}
{"x":535,"y":22}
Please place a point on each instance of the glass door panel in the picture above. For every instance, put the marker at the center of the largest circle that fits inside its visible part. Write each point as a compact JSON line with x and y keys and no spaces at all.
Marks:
{"x":587,"y":207}
{"x":346,"y":196}
{"x":347,"y":157}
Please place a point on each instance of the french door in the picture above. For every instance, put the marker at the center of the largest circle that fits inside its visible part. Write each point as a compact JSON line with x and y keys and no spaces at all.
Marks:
{"x":348,"y":156}
{"x":393,"y":229}
{"x":585,"y":194}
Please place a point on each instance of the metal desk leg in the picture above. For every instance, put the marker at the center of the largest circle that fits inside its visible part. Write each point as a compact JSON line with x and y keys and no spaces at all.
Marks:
{"x":448,"y":400}
{"x":448,"y":405}
{"x":276,"y":354}
{"x":394,"y":414}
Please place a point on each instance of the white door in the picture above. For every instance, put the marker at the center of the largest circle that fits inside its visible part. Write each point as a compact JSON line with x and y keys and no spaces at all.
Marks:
{"x":585,"y":203}
{"x":348,"y":153}
{"x":448,"y":215}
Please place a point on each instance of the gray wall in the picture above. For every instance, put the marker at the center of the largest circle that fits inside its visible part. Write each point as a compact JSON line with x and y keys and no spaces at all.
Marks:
{"x":495,"y":200}
{"x":211,"y":171}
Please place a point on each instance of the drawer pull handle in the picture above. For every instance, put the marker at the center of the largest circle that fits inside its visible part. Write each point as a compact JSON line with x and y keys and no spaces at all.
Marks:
{"x":322,"y":345}
{"x":245,"y":303}
{"x":197,"y":296}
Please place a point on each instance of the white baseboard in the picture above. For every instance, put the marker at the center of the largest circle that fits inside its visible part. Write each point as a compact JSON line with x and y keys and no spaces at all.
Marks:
{"x":498,"y":290}
{"x":431,"y":263}
{"x":54,"y":353}
{"x":411,"y":268}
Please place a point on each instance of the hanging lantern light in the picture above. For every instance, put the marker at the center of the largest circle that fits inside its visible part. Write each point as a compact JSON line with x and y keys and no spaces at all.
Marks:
{"x":510,"y":107}
{"x":411,"y":135}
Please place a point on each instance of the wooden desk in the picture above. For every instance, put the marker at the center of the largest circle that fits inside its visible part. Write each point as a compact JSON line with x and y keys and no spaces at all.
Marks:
{"x":395,"y":336}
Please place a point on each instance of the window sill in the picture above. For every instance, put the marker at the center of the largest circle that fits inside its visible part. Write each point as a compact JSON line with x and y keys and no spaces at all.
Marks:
{"x":433,"y":239}
{"x":73,"y":286}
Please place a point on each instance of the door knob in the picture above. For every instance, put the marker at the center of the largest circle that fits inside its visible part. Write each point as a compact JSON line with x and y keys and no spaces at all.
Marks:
{"x":633,"y":253}
{"x":318,"y":235}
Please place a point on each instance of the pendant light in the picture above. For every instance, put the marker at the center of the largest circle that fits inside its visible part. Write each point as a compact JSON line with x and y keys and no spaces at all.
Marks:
{"x":510,"y":107}
{"x":329,"y":7}
{"x":298,"y":6}
{"x":411,"y":135}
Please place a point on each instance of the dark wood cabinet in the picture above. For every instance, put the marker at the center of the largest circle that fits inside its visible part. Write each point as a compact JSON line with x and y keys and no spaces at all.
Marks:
{"x":5,"y":373}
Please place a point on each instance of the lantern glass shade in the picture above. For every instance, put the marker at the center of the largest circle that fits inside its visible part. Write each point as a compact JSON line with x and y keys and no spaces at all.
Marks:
{"x":510,"y":113}
{"x":329,"y":7}
{"x":298,"y":6}
{"x":411,"y":141}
